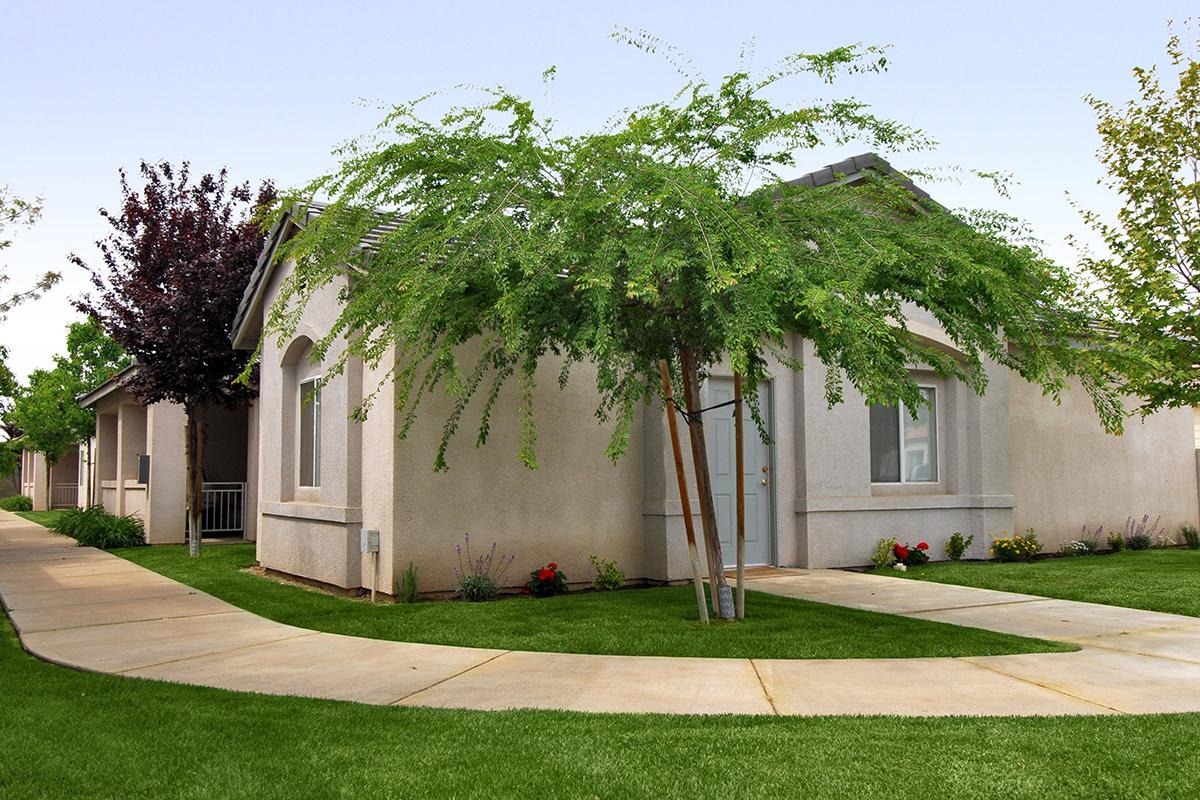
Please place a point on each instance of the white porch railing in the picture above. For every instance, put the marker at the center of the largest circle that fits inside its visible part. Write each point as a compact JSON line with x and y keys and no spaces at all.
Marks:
{"x":223,"y":509}
{"x":64,"y":495}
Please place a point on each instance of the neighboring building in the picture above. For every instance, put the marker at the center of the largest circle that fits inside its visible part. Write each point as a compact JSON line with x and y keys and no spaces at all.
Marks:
{"x":831,"y":484}
{"x":138,"y":466}
{"x":61,"y":489}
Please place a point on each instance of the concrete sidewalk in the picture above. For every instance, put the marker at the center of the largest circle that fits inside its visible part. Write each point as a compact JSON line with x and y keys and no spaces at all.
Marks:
{"x":87,"y":609}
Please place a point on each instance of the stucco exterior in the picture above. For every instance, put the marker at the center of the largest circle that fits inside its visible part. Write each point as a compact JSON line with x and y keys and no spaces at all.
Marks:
{"x":126,"y":430}
{"x":1008,"y":460}
{"x":1066,"y":475}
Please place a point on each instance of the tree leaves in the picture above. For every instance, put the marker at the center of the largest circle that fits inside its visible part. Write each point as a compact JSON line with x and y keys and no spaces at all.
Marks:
{"x":671,"y":229}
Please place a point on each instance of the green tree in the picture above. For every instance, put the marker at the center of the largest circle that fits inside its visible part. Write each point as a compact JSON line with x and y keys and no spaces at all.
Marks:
{"x":9,"y":386}
{"x":1150,"y":267}
{"x":46,"y":410}
{"x":671,"y":235}
{"x":15,"y":211}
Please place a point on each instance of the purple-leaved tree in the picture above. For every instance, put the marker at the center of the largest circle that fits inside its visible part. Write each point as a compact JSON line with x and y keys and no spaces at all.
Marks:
{"x":175,"y":265}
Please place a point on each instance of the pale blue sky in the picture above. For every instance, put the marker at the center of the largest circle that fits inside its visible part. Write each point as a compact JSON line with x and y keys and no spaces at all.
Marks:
{"x":267,"y":88}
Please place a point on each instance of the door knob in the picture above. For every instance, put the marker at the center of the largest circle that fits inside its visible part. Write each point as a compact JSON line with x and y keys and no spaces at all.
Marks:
{"x":764,"y":481}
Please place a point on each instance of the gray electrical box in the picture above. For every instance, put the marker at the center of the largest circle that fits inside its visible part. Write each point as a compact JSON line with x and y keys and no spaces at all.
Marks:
{"x":368,"y":540}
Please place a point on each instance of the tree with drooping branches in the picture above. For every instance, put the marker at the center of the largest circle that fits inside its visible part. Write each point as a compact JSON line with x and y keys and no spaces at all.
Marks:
{"x":670,"y":235}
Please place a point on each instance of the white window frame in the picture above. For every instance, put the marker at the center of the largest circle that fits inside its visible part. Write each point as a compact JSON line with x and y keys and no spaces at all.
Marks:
{"x":316,"y":432}
{"x":904,"y":418}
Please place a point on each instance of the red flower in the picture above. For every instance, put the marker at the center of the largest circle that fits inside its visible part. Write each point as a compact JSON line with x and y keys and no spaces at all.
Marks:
{"x":546,"y":574}
{"x":901,"y":552}
{"x":923,"y":545}
{"x":552,"y":565}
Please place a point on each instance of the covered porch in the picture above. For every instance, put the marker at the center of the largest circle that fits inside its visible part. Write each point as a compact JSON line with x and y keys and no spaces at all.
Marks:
{"x":51,"y":487}
{"x":139,"y":465}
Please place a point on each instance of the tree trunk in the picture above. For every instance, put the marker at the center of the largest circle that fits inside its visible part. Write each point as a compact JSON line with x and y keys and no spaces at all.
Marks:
{"x":722,"y":595}
{"x":49,"y":484}
{"x":684,"y":501}
{"x":739,"y":444}
{"x":195,"y":476}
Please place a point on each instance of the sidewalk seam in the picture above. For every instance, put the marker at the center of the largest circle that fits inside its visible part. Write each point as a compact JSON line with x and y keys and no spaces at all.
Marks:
{"x":1041,"y":685}
{"x":415,"y":692}
{"x":763,"y":685}
{"x":212,"y":652}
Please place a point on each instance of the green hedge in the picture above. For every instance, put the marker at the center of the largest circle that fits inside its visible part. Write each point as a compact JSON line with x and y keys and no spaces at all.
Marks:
{"x":95,"y":527}
{"x":18,"y":502}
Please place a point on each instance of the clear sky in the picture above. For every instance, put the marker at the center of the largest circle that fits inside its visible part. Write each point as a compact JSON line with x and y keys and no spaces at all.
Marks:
{"x":267,"y":88}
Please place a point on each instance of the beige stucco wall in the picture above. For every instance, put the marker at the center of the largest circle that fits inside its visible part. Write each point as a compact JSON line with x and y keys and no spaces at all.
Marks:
{"x":576,"y":503}
{"x":1067,"y":473}
{"x":311,"y":532}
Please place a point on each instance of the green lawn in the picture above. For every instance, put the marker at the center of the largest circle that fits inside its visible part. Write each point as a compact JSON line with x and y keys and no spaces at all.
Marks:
{"x":1156,"y":580}
{"x":659,"y":622}
{"x":83,"y":735}
{"x":44,"y":518}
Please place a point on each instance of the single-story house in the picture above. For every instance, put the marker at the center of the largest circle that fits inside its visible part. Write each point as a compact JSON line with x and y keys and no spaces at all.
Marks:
{"x":138,"y":464}
{"x":829,"y":486}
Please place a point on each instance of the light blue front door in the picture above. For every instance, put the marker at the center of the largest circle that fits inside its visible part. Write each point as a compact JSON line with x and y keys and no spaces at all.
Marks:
{"x":722,"y":464}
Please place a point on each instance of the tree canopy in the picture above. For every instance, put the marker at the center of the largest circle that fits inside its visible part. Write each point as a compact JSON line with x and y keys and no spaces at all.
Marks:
{"x":175,"y":265}
{"x":1150,"y":264}
{"x":672,"y":231}
{"x":46,"y":410}
{"x":17,"y":211}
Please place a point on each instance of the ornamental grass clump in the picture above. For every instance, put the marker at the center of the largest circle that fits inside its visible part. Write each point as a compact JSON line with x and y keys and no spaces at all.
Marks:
{"x":18,"y":502}
{"x":95,"y":527}
{"x":1016,"y":548}
{"x":1142,"y":535}
{"x":479,"y":579}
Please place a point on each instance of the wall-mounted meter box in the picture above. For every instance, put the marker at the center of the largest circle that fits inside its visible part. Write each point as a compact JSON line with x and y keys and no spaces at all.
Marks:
{"x":368,"y":540}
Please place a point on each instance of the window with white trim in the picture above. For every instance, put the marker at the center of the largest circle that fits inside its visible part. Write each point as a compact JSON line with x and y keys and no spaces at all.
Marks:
{"x":310,"y":432}
{"x":903,"y":449}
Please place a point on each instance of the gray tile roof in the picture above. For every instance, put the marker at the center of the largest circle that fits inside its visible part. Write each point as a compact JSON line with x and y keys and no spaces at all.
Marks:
{"x":845,"y":171}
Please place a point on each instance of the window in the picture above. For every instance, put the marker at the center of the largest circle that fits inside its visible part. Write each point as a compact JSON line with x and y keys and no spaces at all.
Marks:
{"x":310,"y":432}
{"x":904,"y":450}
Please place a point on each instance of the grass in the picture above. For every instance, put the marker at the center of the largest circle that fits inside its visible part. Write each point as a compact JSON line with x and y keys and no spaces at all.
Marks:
{"x":660,"y":622}
{"x":1155,"y":580}
{"x":47,"y":519}
{"x":83,"y":735}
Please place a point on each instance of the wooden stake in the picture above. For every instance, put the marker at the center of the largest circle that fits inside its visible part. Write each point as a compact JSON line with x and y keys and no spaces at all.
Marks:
{"x":722,"y":595}
{"x":688,"y":524}
{"x":739,"y":437}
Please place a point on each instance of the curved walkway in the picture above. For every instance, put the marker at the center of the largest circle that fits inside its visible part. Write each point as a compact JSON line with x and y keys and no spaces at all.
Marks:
{"x":84,"y":608}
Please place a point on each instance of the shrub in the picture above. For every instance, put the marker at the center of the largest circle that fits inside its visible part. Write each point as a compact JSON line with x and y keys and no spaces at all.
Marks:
{"x":477,"y":588}
{"x":1191,"y":536}
{"x":547,"y":581}
{"x":957,"y":545}
{"x":18,"y":502}
{"x":884,"y":555}
{"x":607,"y":574}
{"x":479,"y":579}
{"x":911,"y":556}
{"x":1016,"y":548}
{"x":1076,"y":548}
{"x":1139,"y":536}
{"x":1116,"y":542}
{"x":407,"y":593}
{"x":95,"y":527}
